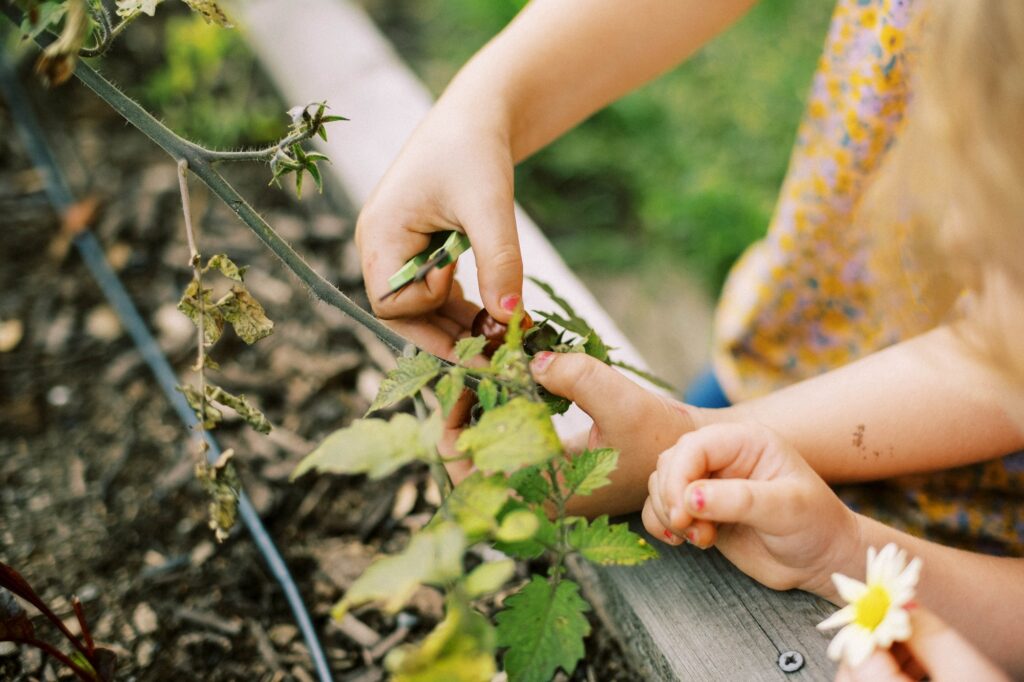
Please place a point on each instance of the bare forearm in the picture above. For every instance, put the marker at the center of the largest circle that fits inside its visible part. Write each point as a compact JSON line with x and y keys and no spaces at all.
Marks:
{"x":924,"y":404}
{"x":561,"y":60}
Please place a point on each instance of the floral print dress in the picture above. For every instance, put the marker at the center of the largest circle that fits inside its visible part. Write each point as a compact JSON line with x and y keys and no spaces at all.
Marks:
{"x":811,"y":296}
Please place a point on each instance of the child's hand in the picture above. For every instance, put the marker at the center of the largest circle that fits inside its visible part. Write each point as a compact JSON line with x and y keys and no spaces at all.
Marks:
{"x":631,"y":419}
{"x":455,"y":173}
{"x":934,"y":651}
{"x":743,"y":489}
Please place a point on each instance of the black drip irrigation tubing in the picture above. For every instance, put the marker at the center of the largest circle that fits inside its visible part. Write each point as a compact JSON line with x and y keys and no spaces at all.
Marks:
{"x":89,"y":249}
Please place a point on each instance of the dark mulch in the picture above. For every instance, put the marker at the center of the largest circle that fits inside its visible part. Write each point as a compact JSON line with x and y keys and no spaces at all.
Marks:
{"x":97,"y":496}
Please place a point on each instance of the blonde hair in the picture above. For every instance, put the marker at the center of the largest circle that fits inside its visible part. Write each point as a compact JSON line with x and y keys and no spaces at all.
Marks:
{"x":957,"y":172}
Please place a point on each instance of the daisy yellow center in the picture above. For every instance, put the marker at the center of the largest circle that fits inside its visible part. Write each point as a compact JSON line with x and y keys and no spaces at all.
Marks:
{"x":872,"y":607}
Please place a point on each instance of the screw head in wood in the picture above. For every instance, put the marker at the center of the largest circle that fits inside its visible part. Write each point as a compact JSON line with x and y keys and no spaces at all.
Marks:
{"x":791,"y":661}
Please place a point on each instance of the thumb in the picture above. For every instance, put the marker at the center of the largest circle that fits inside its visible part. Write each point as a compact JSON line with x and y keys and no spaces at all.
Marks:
{"x":491,"y":227}
{"x":600,"y":391}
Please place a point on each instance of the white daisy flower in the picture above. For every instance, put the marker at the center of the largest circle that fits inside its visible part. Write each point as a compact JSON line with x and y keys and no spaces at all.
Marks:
{"x":875,"y":614}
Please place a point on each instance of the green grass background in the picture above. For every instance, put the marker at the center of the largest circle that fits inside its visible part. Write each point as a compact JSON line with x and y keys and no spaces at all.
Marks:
{"x":683,"y":172}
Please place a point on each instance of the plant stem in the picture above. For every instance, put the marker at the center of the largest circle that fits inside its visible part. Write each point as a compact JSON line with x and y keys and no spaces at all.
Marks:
{"x":197,"y":275}
{"x":437,"y":469}
{"x":264,"y":154}
{"x":56,"y":653}
{"x":200,"y":165}
{"x":110,"y":35}
{"x":563,"y":532}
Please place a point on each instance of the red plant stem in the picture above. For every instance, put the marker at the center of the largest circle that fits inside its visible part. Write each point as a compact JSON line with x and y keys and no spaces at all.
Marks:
{"x":37,"y":602}
{"x":53,"y":651}
{"x":80,"y":615}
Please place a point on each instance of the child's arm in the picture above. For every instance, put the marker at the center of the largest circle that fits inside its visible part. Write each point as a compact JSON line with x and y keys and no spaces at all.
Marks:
{"x":744,"y":489}
{"x":555,"y":64}
{"x":924,"y":404}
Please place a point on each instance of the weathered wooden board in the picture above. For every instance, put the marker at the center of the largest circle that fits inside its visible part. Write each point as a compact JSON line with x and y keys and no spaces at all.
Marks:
{"x":689,"y":615}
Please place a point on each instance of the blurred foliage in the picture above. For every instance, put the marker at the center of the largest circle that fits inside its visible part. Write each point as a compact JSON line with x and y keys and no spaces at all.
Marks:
{"x":204,"y":87}
{"x":687,"y":168}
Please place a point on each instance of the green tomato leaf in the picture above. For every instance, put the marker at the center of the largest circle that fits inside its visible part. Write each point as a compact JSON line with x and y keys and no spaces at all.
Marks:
{"x":606,"y":544}
{"x":518,"y":526}
{"x":468,"y":348}
{"x":433,"y":556}
{"x":191,"y":305}
{"x":488,"y":577}
{"x":474,"y":504}
{"x":530,"y":484}
{"x":487,"y":394}
{"x":589,"y":470}
{"x":516,"y":434}
{"x":459,"y":649}
{"x":406,"y":380}
{"x":241,"y":405}
{"x":226,"y":266}
{"x":245,"y":314}
{"x":543,"y":628}
{"x":449,"y":388}
{"x":374,"y":446}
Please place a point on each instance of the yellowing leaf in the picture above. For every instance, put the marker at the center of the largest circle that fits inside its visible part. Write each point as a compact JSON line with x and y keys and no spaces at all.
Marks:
{"x":488,"y":577}
{"x":474,"y":504}
{"x":589,"y":470}
{"x":518,"y":526}
{"x":191,"y":305}
{"x":449,"y":388}
{"x":610,"y":544}
{"x":252,"y":415}
{"x":211,"y":12}
{"x":516,"y":434}
{"x":404,"y":381}
{"x":226,"y":266}
{"x":374,"y":447}
{"x":245,"y":314}
{"x":544,"y":537}
{"x":487,"y":394}
{"x":543,"y":628}
{"x":433,"y":556}
{"x":459,"y":649}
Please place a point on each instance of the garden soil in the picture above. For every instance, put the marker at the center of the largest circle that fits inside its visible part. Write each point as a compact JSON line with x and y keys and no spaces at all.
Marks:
{"x":97,"y":493}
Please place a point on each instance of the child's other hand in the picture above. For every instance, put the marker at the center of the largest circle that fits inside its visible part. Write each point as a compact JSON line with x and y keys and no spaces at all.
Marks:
{"x":627,"y":417}
{"x":743,"y":489}
{"x":934,"y":651}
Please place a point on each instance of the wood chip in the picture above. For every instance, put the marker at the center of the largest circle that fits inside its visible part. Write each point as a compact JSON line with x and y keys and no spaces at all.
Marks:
{"x":343,"y":561}
{"x":405,"y":499}
{"x":264,"y":646}
{"x":144,"y":619}
{"x":356,"y":630}
{"x":204,"y":619}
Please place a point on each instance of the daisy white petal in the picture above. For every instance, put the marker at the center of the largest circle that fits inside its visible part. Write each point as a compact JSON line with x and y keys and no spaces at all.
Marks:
{"x":849,"y":589}
{"x":843,"y":616}
{"x":838,"y":643}
{"x":858,"y":646}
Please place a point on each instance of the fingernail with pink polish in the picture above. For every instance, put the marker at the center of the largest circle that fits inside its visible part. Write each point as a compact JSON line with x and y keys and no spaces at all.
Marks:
{"x":541,"y":361}
{"x":509,"y":302}
{"x":697,"y":499}
{"x":691,"y":536}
